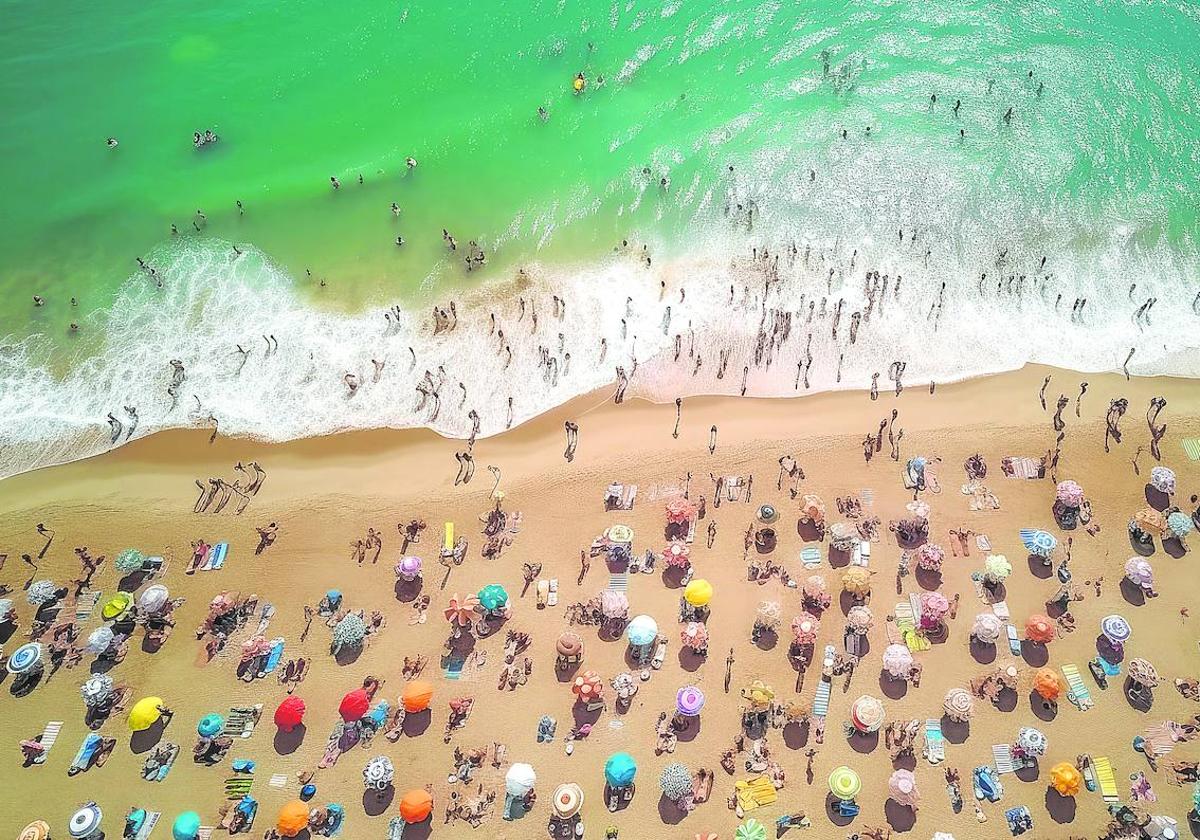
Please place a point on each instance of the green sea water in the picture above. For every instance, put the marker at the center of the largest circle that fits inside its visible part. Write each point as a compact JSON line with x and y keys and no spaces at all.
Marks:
{"x":1099,"y":159}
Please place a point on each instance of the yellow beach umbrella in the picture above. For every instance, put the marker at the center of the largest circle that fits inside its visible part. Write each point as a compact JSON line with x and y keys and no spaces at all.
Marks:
{"x":144,"y":713}
{"x":117,"y":606}
{"x":36,"y":830}
{"x":844,"y":783}
{"x":856,"y":580}
{"x":698,"y":593}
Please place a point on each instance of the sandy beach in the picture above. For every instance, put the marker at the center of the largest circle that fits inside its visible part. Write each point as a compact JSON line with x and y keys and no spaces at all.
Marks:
{"x":325,"y":493}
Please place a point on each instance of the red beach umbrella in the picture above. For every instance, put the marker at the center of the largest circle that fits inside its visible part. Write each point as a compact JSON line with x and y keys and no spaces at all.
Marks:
{"x":290,"y":713}
{"x":354,"y":705}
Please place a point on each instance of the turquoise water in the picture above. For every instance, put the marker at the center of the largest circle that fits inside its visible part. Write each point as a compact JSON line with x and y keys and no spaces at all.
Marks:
{"x":1097,"y":169}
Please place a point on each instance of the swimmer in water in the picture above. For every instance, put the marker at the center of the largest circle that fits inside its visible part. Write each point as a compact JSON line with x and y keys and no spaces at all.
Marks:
{"x":410,"y":162}
{"x":38,"y":300}
{"x":111,"y":142}
{"x":337,"y":185}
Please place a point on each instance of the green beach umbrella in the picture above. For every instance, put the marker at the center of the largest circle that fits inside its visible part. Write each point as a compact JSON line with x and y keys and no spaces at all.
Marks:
{"x":751,"y":829}
{"x":844,"y":783}
{"x":210,"y":725}
{"x":130,"y":560}
{"x":493,"y":597}
{"x":187,"y":826}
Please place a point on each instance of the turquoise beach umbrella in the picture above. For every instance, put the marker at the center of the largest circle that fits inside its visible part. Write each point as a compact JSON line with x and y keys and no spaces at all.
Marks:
{"x":210,"y":725}
{"x":620,"y":769}
{"x":493,"y":596}
{"x":187,"y":826}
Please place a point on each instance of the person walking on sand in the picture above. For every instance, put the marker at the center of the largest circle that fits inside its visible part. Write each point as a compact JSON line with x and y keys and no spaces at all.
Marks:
{"x":266,"y":537}
{"x":712,"y":439}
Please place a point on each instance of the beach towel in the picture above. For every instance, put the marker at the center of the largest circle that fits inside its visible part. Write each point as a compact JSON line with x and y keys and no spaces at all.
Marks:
{"x":810,"y":557}
{"x":453,"y":669}
{"x":820,"y":706}
{"x":1077,"y":690}
{"x":85,"y":603}
{"x":1016,"y":466}
{"x":690,"y":536}
{"x":274,"y":656}
{"x":49,"y":736}
{"x":1000,"y":608}
{"x":1191,"y":448}
{"x":83,"y":758}
{"x":618,"y":581}
{"x":1002,"y":757}
{"x":935,"y":742}
{"x":1104,"y":776}
{"x":278,"y":780}
{"x":755,"y":793}
{"x":216,"y":557}
{"x":161,"y":773}
{"x":152,"y":818}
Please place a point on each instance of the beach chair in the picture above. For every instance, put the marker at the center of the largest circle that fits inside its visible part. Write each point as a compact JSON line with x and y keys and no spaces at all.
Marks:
{"x":1002,"y":758}
{"x":49,"y":736}
{"x":147,"y":827}
{"x":1191,"y":448}
{"x":1104,"y":776}
{"x":935,"y":742}
{"x":1077,"y":690}
{"x":552,"y":595}
{"x":629,"y":497}
{"x":820,"y":707}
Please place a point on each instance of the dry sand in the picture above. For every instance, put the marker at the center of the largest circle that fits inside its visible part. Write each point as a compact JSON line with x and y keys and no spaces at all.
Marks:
{"x":325,"y":493}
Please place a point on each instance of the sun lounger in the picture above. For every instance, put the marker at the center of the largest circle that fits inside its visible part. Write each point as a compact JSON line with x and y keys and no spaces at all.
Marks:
{"x":1077,"y":690}
{"x":618,"y":581}
{"x":205,"y":833}
{"x":1104,"y":776}
{"x":820,"y":706}
{"x":690,"y":536}
{"x":85,"y":603}
{"x":147,"y":827}
{"x":552,"y":597}
{"x":733,"y":488}
{"x":1020,"y":467}
{"x":810,"y":557}
{"x":1002,"y":758}
{"x":49,"y":736}
{"x":1000,"y":608}
{"x":982,"y":542}
{"x":1191,"y":448}
{"x":1089,"y":773}
{"x":1014,"y":643}
{"x":935,"y":742}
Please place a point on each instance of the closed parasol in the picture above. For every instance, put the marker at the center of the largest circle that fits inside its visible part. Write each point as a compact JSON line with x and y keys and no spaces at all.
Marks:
{"x":675,"y":781}
{"x":290,"y":713}
{"x":694,"y":635}
{"x":677,"y":553}
{"x":844,"y":783}
{"x":987,"y":628}
{"x":620,"y":769}
{"x":614,"y":604}
{"x":859,"y":619}
{"x":768,"y":615}
{"x":568,"y":644}
{"x":902,"y":787}
{"x":689,"y":700}
{"x":812,"y":509}
{"x":1141,"y":671}
{"x":100,"y":639}
{"x":416,"y":696}
{"x":567,"y":800}
{"x":1032,"y":741}
{"x":856,"y":580}
{"x":1039,"y":628}
{"x":354,"y":705}
{"x":379,"y":773}
{"x":751,"y":829}
{"x":1069,"y":493}
{"x":493,"y":597}
{"x":930,"y":557}
{"x":1116,"y":629}
{"x":1047,"y":684}
{"x":996,"y":568}
{"x":292,"y":819}
{"x":145,"y":713}
{"x":154,"y":598}
{"x":416,"y":805}
{"x":642,"y":630}
{"x":1162,"y":479}
{"x":1065,"y":778}
{"x":805,"y":628}
{"x":866,"y":714}
{"x":85,"y":823}
{"x":519,"y":780}
{"x":958,"y":704}
{"x":897,"y":661}
{"x":587,"y":687}
{"x":96,"y":690}
{"x":698,"y":592}
{"x":1140,"y":572}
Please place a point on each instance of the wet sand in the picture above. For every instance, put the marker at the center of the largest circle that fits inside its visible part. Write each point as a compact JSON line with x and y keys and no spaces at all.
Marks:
{"x":325,"y":493}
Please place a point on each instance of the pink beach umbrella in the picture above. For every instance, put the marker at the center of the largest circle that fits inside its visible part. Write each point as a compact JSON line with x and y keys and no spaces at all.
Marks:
{"x":680,"y":510}
{"x":677,"y":554}
{"x":614,"y":604}
{"x":805,"y":627}
{"x":461,"y":611}
{"x":1140,"y":572}
{"x":1069,"y":493}
{"x":866,"y":715}
{"x":689,"y":701}
{"x":859,"y":619}
{"x":814,"y":587}
{"x":902,"y":787}
{"x":694,"y":635}
{"x":930,"y":557}
{"x":934,"y":607}
{"x":897,"y":661}
{"x":987,"y":628}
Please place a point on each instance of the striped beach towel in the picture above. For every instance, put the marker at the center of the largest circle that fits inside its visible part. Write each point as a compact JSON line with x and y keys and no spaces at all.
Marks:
{"x":690,"y":537}
{"x":1077,"y":690}
{"x":1002,"y":756}
{"x":453,"y":669}
{"x":85,"y":603}
{"x":49,"y":736}
{"x":278,"y":780}
{"x":152,"y":818}
{"x":810,"y":557}
{"x":1104,"y":775}
{"x":1024,"y":467}
{"x":618,"y":581}
{"x":1191,"y":448}
{"x":821,"y":701}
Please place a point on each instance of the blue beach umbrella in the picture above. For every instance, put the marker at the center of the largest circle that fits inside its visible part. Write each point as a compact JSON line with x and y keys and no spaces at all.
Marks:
{"x":1179,"y":524}
{"x":187,"y":826}
{"x":25,"y":658}
{"x":1038,"y":542}
{"x":210,"y":725}
{"x":642,"y":630}
{"x":620,"y":769}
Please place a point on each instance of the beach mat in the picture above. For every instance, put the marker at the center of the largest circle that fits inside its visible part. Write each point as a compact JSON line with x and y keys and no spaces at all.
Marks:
{"x":1104,"y":776}
{"x":618,"y":581}
{"x":1191,"y":448}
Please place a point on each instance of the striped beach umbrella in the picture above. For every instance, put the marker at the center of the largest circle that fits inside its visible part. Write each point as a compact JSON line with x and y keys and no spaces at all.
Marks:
{"x":1037,"y":541}
{"x":85,"y":822}
{"x":1116,"y":629}
{"x":689,"y":701}
{"x":26,"y":658}
{"x":844,"y":783}
{"x":567,"y":800}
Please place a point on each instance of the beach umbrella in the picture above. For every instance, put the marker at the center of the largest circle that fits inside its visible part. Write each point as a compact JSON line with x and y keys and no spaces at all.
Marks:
{"x":689,"y":700}
{"x":919,"y":507}
{"x":620,"y":533}
{"x":40,"y":592}
{"x":759,"y":694}
{"x":1039,"y":628}
{"x":680,"y":510}
{"x":187,"y":826}
{"x":1141,"y":671}
{"x":958,"y":704}
{"x":26,"y":659}
{"x":354,"y":705}
{"x":1047,"y":684}
{"x":642,"y":630}
{"x":1140,"y":572}
{"x":1069,"y":493}
{"x":897,"y":661}
{"x":1162,"y":479}
{"x":857,"y":581}
{"x":930,"y":557}
{"x":293,"y":818}
{"x":812,"y":508}
{"x":1038,"y":542}
{"x":996,"y":568}
{"x":567,"y":800}
{"x":934,"y":608}
{"x":145,"y":713}
{"x":805,"y":628}
{"x":493,"y":597}
{"x":675,"y":781}
{"x":408,"y":567}
{"x":210,"y":725}
{"x":624,"y":685}
{"x":751,"y":829}
{"x":620,"y":770}
{"x":698,"y":592}
{"x":568,"y":644}
{"x":987,"y":628}
{"x":254,"y":646}
{"x":1179,"y":524}
{"x":416,"y":805}
{"x":1150,"y":520}
{"x":130,"y":560}
{"x":613,"y":604}
{"x":844,"y":783}
{"x":843,"y":532}
{"x":290,"y":713}
{"x":379,"y":773}
{"x":1032,"y":741}
{"x":36,"y":830}
{"x":1116,"y":629}
{"x":460,"y":612}
{"x":86,"y":821}
{"x":677,"y":554}
{"x":519,"y":780}
{"x":867,"y":714}
{"x":416,"y":696}
{"x":117,"y":607}
{"x":768,"y":614}
{"x":154,"y":598}
{"x":1065,"y":778}
{"x":349,"y":632}
{"x":694,"y":635}
{"x":859,"y":619}
{"x":767,"y":514}
{"x":902,"y":787}
{"x":814,"y":587}
{"x":587,"y":687}
{"x":96,"y":690}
